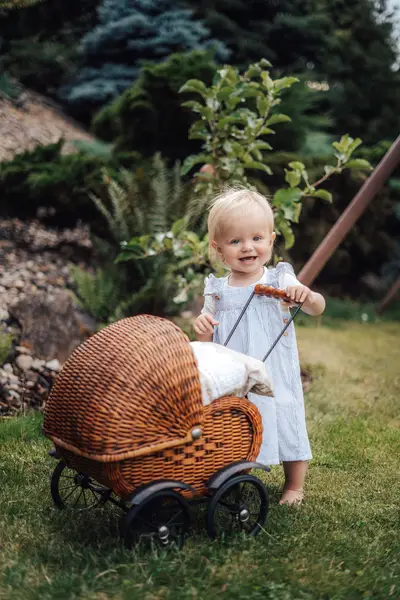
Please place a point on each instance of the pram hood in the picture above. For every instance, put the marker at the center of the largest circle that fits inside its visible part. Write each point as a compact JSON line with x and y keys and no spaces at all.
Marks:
{"x":132,"y":386}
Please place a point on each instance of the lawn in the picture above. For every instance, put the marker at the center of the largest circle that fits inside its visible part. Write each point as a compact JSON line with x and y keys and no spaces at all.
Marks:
{"x":342,"y":544}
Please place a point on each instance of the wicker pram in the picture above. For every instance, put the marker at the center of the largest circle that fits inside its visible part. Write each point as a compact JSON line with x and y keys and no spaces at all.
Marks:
{"x":126,"y":411}
{"x":127,"y":420}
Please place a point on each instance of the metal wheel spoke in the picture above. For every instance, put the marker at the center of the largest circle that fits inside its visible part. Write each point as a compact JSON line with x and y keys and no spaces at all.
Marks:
{"x":78,"y":498}
{"x":171,"y":521}
{"x":230,"y":507}
{"x":96,"y":499}
{"x":241,"y":503}
{"x":162,"y":519}
{"x":73,"y":486}
{"x":73,"y":489}
{"x":70,"y":494}
{"x":145,"y":522}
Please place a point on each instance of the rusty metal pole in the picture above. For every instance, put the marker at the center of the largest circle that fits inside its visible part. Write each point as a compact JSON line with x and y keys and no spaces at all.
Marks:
{"x":352,"y":213}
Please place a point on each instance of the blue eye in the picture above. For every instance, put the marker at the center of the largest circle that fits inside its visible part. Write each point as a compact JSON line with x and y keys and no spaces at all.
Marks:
{"x":257,"y":238}
{"x":234,"y":241}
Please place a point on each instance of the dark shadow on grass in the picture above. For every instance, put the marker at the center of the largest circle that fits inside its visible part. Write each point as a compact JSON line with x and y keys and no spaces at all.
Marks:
{"x":98,"y":529}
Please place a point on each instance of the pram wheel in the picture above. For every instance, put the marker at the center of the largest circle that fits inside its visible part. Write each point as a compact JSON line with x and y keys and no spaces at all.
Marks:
{"x":240,"y":504}
{"x":70,"y":489}
{"x":161,"y":520}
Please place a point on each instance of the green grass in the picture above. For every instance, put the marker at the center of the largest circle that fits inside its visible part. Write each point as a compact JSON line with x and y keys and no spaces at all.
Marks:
{"x":342,"y":544}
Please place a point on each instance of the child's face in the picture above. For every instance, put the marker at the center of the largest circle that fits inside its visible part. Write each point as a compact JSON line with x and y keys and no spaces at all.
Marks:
{"x":245,"y":242}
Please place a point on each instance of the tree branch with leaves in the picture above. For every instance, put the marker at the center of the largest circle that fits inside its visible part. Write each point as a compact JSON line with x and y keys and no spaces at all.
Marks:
{"x":236,"y":115}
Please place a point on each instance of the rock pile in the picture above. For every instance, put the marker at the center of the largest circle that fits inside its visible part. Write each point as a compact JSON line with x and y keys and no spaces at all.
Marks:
{"x":26,"y":383}
{"x":37,"y":309}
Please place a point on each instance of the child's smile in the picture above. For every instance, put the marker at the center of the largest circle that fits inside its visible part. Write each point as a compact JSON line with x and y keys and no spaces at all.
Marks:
{"x":248,"y":259}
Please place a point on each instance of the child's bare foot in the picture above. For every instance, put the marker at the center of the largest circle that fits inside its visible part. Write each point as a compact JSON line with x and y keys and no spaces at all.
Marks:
{"x":292,"y":497}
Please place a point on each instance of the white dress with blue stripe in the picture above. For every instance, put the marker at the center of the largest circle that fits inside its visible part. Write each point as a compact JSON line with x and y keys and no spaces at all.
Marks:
{"x":284,"y":427}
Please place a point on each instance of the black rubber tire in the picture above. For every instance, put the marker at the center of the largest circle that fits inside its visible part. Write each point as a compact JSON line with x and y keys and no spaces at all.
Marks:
{"x":90,"y":492}
{"x":141,"y":517}
{"x":223,"y":499}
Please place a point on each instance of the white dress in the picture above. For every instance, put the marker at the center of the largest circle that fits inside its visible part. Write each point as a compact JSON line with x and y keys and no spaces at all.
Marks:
{"x":284,"y":427}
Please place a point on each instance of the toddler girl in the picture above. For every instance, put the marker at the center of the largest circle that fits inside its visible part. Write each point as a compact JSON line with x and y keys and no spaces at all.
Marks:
{"x":241,"y":234}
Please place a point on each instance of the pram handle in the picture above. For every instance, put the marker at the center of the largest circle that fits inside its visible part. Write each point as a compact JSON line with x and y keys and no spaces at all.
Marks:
{"x":268,"y":290}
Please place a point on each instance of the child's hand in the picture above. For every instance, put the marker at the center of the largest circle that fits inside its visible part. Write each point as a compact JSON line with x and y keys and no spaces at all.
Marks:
{"x":204,"y":324}
{"x":298,"y":294}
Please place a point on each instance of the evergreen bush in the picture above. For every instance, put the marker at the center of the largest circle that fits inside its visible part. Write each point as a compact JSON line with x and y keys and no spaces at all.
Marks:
{"x":128,"y":33}
{"x":149,"y":116}
{"x":43,"y":177}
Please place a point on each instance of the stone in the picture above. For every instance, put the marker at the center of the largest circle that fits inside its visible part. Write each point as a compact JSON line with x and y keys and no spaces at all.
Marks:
{"x":24,"y":362}
{"x":4,"y":314}
{"x":23,"y":350}
{"x":14,"y":387}
{"x":49,"y":328}
{"x":53,"y":365}
{"x":8,"y":368}
{"x":19,"y":284}
{"x":13,"y":378}
{"x":37,"y":364}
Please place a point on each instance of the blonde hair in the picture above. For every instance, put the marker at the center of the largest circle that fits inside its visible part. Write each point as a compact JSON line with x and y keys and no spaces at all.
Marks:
{"x":230,"y":200}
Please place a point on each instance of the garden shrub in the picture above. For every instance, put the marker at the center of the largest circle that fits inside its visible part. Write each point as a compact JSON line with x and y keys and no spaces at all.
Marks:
{"x":43,"y":177}
{"x":149,"y":116}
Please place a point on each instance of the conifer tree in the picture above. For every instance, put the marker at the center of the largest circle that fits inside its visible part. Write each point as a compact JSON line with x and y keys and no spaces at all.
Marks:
{"x":128,"y":33}
{"x":348,"y":45}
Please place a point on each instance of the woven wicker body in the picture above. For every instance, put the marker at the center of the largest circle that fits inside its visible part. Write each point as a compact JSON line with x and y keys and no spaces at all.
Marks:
{"x":125,"y":405}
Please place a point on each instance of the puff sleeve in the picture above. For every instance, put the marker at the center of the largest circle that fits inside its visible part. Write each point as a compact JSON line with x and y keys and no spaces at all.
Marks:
{"x":286,"y":276}
{"x":209,"y":290}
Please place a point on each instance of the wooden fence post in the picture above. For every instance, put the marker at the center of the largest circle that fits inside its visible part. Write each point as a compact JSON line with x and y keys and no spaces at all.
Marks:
{"x":390,"y":296}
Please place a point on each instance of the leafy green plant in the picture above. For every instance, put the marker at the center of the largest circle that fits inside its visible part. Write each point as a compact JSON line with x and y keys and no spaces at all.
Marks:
{"x":236,"y":115}
{"x":184,"y":258}
{"x":45,"y":177}
{"x":149,"y":115}
{"x":93,"y":148}
{"x":99,"y":293}
{"x":141,"y":202}
{"x":143,"y":205}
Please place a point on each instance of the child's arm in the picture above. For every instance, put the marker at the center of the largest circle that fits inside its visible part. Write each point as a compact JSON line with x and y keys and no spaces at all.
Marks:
{"x":313,"y":303}
{"x":205,"y":322}
{"x":204,"y":327}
